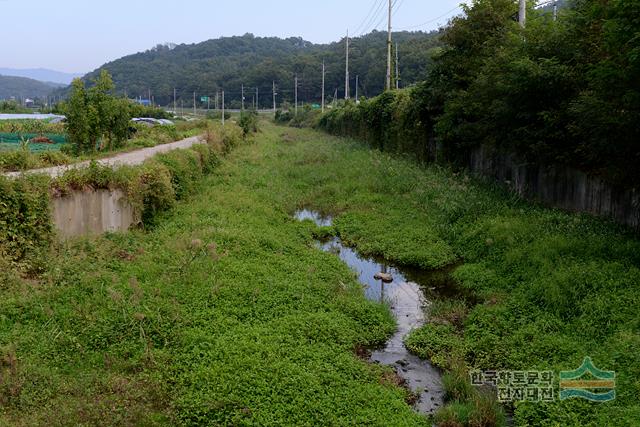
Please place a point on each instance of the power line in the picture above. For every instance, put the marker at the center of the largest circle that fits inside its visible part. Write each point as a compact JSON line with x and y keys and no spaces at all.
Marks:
{"x":383,"y":18}
{"x":361,"y":26}
{"x":397,"y":8}
{"x":374,"y":17}
{"x":431,"y":20}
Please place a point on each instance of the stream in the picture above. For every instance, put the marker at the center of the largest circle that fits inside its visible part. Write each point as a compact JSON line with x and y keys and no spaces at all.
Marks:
{"x":407,"y":295}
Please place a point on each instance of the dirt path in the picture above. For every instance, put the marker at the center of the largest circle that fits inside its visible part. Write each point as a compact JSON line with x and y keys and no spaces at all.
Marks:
{"x":130,"y":158}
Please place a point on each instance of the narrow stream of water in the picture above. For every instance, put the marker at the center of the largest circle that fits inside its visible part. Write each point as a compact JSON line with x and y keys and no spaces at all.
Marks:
{"x":406,"y":296}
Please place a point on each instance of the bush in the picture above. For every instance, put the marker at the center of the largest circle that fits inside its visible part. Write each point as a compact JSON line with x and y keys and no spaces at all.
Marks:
{"x":283,"y":117}
{"x":156,"y":190}
{"x":151,"y":188}
{"x":25,"y":223}
{"x":248,"y":123}
{"x":185,"y":169}
{"x":217,"y":115}
{"x":307,"y":118}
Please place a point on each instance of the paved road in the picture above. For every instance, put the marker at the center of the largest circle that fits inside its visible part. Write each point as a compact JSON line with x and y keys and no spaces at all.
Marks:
{"x":130,"y":158}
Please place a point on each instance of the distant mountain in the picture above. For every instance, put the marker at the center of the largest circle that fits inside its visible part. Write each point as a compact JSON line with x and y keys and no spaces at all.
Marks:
{"x":41,"y":74}
{"x":256,"y":62}
{"x":22,"y":87}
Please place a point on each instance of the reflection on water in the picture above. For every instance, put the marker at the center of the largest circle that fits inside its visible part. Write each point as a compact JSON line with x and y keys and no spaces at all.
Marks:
{"x":407,"y":301}
{"x":320,"y":220}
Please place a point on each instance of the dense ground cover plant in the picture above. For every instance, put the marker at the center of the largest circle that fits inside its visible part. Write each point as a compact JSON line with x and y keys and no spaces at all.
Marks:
{"x":539,"y":288}
{"x":224,"y":313}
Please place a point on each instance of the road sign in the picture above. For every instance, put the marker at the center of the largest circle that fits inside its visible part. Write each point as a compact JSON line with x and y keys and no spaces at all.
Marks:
{"x":204,"y":99}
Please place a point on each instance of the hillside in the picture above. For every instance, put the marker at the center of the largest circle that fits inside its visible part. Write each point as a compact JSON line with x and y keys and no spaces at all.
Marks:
{"x":41,"y":74}
{"x":230,"y":62}
{"x":23,"y":87}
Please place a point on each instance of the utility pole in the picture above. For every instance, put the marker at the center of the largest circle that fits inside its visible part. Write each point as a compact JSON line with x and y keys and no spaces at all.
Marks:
{"x":522,"y":14}
{"x":346,"y":77}
{"x":194,"y":104}
{"x":149,"y":96}
{"x":389,"y":47}
{"x":175,"y":110}
{"x":296,"y":94}
{"x":257,"y":99}
{"x":274,"y":97}
{"x":223,"y":108}
{"x":208,"y":103}
{"x":242,"y":98}
{"x":397,"y":68}
{"x":323,"y":72}
{"x":555,"y":10}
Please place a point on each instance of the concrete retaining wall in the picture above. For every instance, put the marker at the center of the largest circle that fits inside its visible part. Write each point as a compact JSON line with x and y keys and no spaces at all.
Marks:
{"x":559,"y":186}
{"x":86,"y":213}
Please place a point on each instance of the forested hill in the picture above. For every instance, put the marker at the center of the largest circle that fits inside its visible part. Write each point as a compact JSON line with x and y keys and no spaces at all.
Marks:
{"x":230,"y":62}
{"x":22,"y":87}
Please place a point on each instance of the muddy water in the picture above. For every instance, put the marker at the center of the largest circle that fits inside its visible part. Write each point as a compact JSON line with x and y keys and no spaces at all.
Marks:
{"x":406,"y":297}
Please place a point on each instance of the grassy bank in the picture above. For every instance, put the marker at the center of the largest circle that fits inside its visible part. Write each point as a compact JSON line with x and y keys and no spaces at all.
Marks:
{"x":547,"y":288}
{"x":225,"y":313}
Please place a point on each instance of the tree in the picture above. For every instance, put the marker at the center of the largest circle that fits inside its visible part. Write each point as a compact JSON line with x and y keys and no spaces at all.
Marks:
{"x":95,"y":118}
{"x":77,"y":125}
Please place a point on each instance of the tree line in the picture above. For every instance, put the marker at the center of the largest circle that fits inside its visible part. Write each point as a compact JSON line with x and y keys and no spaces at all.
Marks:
{"x":564,"y":91}
{"x":228,"y":63}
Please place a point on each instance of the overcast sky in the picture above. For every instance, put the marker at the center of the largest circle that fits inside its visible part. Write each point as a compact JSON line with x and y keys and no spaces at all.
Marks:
{"x":81,"y":35}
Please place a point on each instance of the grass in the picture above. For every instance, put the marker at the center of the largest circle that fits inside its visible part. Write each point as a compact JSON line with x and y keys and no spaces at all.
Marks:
{"x":548,"y":287}
{"x":225,"y":313}
{"x":20,"y":157}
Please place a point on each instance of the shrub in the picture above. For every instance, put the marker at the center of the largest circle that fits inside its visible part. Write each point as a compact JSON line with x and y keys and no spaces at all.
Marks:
{"x":153,"y":187}
{"x":185,"y":169}
{"x":25,"y":223}
{"x":217,"y":115}
{"x":248,"y":123}
{"x":156,"y":191}
{"x":283,"y":117}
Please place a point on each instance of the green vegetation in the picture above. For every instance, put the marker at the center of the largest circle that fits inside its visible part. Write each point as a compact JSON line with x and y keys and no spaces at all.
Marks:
{"x":546,"y":288}
{"x":556,"y":92}
{"x":230,"y":62}
{"x":12,"y":107}
{"x":306,"y":117}
{"x":96,"y":120}
{"x":31,"y":127}
{"x":222,"y":314}
{"x":29,"y":155}
{"x":24,"y":88}
{"x":225,"y":313}
{"x":248,"y":122}
{"x":86,"y":129}
{"x":153,"y":187}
